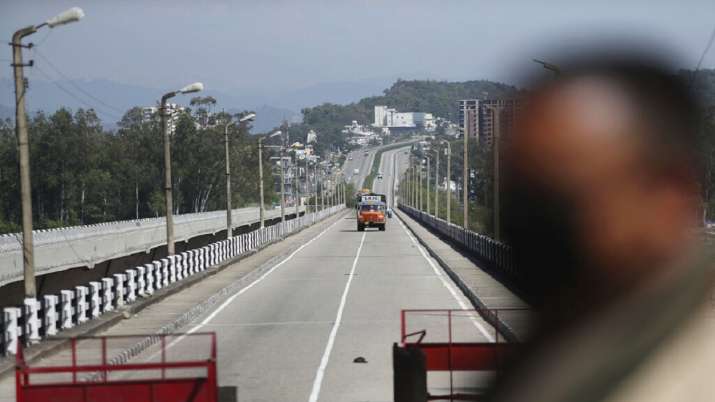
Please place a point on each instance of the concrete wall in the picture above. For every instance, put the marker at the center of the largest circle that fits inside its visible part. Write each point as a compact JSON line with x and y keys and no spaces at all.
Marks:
{"x":86,"y":246}
{"x":12,"y":294}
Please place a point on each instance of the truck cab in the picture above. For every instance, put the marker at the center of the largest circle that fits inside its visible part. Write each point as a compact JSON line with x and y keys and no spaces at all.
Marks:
{"x":371,"y":210}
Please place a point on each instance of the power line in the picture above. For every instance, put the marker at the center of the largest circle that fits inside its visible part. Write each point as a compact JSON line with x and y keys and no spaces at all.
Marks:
{"x":74,"y":96}
{"x":77,"y":87}
{"x":702,"y":57}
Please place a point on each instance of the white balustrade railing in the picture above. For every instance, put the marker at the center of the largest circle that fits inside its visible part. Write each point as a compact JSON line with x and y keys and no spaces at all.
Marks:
{"x":38,"y":319}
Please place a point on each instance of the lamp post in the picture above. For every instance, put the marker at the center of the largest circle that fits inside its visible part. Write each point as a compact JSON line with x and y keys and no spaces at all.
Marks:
{"x":23,"y":148}
{"x":307,"y":181}
{"x":229,"y":226}
{"x":262,"y":209}
{"x":436,"y":185}
{"x":427,"y":182}
{"x":449,"y":181}
{"x":413,"y":173}
{"x":296,"y":190}
{"x":549,"y":66}
{"x":496,"y":111}
{"x":163,"y":113}
{"x":465,"y":178}
{"x":420,"y":173}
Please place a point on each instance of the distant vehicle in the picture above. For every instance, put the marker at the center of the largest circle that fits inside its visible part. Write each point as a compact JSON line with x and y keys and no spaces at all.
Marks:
{"x":379,"y":176}
{"x":371,"y":211}
{"x":350,"y":158}
{"x":356,"y":171}
{"x":367,"y":153}
{"x":389,"y":213}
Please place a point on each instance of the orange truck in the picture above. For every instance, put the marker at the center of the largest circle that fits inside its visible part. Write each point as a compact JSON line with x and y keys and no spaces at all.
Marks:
{"x":371,"y":209}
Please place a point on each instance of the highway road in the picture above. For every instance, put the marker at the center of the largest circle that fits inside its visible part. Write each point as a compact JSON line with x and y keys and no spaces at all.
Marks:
{"x":293,"y":332}
{"x":358,"y":160}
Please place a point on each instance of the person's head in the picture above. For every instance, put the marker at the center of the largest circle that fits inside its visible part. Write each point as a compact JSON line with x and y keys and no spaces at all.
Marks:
{"x":602,"y":179}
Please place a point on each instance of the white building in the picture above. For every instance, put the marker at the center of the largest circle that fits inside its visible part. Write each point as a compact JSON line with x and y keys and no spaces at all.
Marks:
{"x":391,"y":118}
{"x":357,"y":129}
{"x":173,"y":110}
{"x":312,"y":137}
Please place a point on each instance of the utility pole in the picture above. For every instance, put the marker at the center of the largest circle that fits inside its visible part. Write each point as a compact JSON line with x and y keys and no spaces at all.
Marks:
{"x":23,"y":149}
{"x":229,"y":210}
{"x":419,"y":184}
{"x":296,"y":190}
{"x":229,"y":226}
{"x":465,"y":173}
{"x":496,"y":112}
{"x":449,"y":183}
{"x":414,"y":184}
{"x":427,"y":180}
{"x":307,"y":181}
{"x":283,"y":192}
{"x":411,"y":190}
{"x":322,"y":191}
{"x":168,"y":194}
{"x":436,"y":186}
{"x":261,"y":211}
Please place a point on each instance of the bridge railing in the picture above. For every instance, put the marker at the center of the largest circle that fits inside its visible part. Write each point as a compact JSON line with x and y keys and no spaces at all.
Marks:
{"x":85,"y":246}
{"x":497,"y":254}
{"x":49,"y":315}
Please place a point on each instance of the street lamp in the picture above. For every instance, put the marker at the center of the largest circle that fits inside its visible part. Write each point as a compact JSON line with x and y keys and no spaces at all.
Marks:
{"x":549,"y":66}
{"x":436,"y":184}
{"x":229,"y":226}
{"x":66,"y":17}
{"x":163,"y":113}
{"x":465,"y":178}
{"x":260,"y":174}
{"x":496,"y":112}
{"x":448,"y":151}
{"x":427,"y":180}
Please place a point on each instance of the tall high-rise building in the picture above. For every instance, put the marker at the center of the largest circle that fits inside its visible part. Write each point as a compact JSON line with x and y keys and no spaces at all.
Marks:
{"x":508,"y":109}
{"x":468,"y":121}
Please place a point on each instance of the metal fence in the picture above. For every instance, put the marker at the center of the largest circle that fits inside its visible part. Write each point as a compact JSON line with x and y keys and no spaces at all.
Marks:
{"x":495,"y":253}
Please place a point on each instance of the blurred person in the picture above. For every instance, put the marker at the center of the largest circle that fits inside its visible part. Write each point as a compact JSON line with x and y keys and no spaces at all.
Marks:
{"x":602,"y":209}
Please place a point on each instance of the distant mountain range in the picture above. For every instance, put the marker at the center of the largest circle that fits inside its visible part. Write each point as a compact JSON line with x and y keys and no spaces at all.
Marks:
{"x":112,"y":99}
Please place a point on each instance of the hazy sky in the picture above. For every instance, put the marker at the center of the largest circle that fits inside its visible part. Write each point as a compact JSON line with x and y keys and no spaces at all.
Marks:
{"x":275,"y":46}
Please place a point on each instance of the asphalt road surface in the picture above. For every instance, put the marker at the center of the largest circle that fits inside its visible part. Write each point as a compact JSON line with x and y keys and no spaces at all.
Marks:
{"x":293,"y":333}
{"x":358,"y":160}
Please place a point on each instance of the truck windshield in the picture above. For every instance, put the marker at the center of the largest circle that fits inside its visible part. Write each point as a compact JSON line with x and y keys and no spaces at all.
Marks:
{"x":371,"y":208}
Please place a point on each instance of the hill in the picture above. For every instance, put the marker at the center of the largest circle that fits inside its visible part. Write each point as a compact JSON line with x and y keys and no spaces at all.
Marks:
{"x":436,"y":97}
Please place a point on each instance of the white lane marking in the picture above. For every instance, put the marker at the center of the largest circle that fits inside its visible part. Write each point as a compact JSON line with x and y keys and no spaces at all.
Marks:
{"x":446,"y":284}
{"x":317,"y":383}
{"x":244,"y":289}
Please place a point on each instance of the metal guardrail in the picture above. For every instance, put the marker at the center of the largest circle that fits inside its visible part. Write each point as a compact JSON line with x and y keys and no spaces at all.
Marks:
{"x":495,"y":253}
{"x":40,"y":318}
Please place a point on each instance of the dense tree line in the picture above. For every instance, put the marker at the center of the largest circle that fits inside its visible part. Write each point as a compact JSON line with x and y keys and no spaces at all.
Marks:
{"x":82,"y":173}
